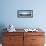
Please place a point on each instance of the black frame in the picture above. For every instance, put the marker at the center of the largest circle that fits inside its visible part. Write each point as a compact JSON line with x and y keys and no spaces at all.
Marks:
{"x":30,"y":15}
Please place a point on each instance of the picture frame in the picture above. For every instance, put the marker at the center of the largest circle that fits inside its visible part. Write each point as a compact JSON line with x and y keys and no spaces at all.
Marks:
{"x":25,"y":13}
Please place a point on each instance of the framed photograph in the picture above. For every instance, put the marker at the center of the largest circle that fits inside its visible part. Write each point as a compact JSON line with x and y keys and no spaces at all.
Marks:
{"x":25,"y":13}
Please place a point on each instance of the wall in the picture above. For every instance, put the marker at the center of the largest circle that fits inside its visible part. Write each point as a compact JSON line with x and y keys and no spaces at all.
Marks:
{"x":9,"y":13}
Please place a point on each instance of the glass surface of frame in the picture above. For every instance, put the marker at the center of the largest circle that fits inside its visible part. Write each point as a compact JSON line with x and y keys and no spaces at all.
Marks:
{"x":25,"y":13}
